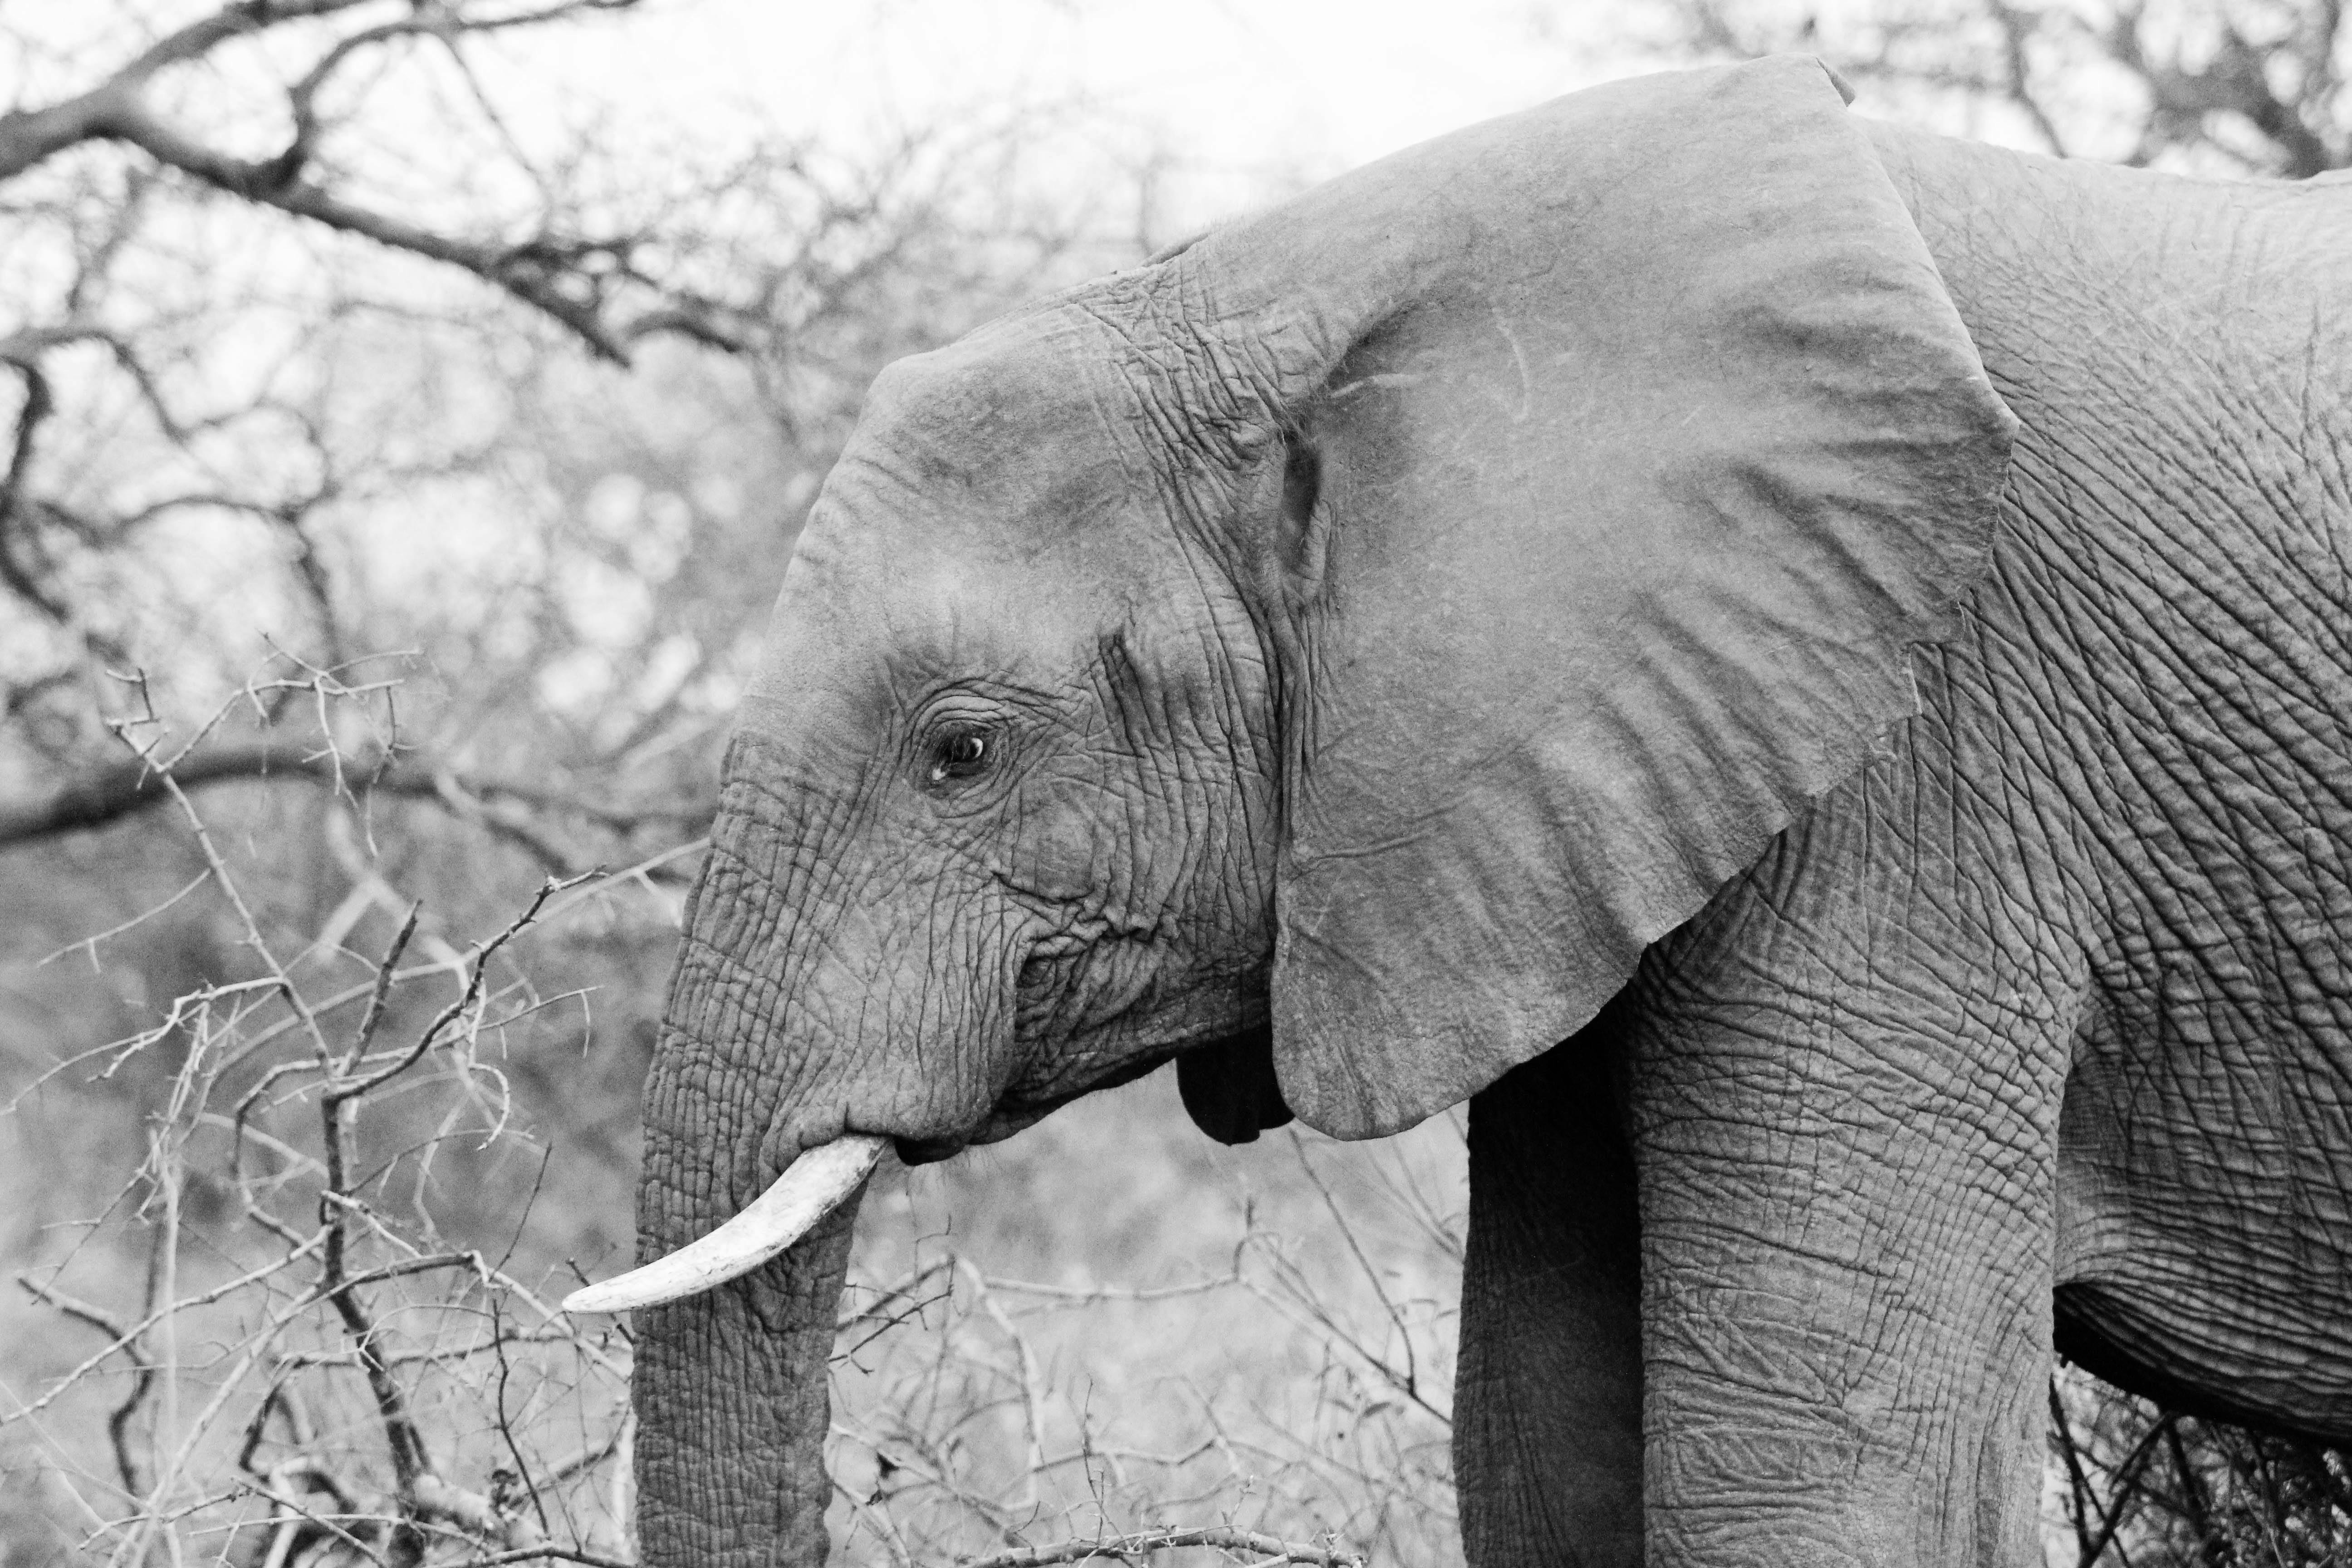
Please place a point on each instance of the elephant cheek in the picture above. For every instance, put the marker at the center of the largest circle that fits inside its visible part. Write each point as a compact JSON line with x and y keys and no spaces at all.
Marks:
{"x":1062,"y":850}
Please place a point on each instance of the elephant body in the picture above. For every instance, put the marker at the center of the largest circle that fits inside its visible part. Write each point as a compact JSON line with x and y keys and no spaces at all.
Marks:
{"x":2173,"y":545}
{"x":2100,"y":881}
{"x":1878,"y":873}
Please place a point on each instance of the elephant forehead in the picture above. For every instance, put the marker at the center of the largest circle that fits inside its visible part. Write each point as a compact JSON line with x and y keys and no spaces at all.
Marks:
{"x":1026,"y":428}
{"x":990,"y":516}
{"x":942,"y":597}
{"x":874,"y":608}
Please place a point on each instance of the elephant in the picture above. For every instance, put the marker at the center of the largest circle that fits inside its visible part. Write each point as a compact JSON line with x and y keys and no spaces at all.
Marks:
{"x":1798,"y":666}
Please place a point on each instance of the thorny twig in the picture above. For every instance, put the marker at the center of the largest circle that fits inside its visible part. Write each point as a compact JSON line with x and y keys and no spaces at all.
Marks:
{"x":572,"y":278}
{"x":268,"y":1333}
{"x":1265,"y":1547}
{"x":2263,"y":97}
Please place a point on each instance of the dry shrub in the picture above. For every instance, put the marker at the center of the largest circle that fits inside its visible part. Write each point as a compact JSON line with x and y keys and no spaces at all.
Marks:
{"x":2138,"y":1483}
{"x":285,"y":1362}
{"x":268,"y":1352}
{"x":309,"y":1371}
{"x":1297,"y":1395}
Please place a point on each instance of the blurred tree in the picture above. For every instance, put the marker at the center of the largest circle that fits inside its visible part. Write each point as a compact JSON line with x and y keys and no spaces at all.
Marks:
{"x":2253,"y":86}
{"x":264,"y":382}
{"x":347,"y":353}
{"x":165,"y":322}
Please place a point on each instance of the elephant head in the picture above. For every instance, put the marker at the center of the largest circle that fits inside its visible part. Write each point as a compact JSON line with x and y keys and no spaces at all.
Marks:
{"x":1327,"y":656}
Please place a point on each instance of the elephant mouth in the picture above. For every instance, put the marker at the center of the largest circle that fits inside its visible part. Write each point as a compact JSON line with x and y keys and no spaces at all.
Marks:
{"x":1017,"y":1109}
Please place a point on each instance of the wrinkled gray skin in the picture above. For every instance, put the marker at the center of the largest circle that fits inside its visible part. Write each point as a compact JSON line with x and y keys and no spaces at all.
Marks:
{"x":1844,"y":629}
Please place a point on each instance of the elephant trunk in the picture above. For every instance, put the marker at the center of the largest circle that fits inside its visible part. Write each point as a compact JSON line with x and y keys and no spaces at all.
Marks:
{"x":730,"y":1385}
{"x":731,"y":1414}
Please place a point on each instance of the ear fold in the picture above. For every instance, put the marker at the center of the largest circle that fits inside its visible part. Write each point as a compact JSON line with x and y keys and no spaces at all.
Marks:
{"x":1229,"y":1090}
{"x":1645,"y":441}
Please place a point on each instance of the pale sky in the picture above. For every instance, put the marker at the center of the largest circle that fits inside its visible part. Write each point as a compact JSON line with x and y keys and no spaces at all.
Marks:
{"x":1273,"y":89}
{"x":1250,"y":97}
{"x":1308,"y":77}
{"x":1254,"y":96}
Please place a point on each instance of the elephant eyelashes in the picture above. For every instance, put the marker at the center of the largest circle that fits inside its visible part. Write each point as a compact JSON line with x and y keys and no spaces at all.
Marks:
{"x":961,"y":754}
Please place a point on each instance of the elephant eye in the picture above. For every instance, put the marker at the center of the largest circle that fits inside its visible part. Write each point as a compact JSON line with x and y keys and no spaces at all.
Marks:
{"x":961,"y":754}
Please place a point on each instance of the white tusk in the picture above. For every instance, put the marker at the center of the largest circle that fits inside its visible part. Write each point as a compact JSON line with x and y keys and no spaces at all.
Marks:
{"x":812,"y":1188}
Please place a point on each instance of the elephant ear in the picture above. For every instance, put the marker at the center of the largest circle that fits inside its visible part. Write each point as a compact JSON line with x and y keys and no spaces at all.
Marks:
{"x":1633,"y":441}
{"x":1228,"y":1087}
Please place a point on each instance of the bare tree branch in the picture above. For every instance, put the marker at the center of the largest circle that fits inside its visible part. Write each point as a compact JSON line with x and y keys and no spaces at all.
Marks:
{"x":142,"y":1378}
{"x":38,"y":404}
{"x":2008,"y":51}
{"x":121,"y":789}
{"x":1267,"y":1548}
{"x":29,"y":137}
{"x":571,"y":279}
{"x":2016,"y":31}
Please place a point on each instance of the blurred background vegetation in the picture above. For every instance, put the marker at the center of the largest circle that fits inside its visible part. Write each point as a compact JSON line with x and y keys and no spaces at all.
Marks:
{"x":402,"y":446}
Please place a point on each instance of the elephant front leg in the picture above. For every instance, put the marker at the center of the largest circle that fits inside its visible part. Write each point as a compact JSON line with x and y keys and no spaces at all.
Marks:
{"x":1845,"y":1124}
{"x":1548,"y":1409}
